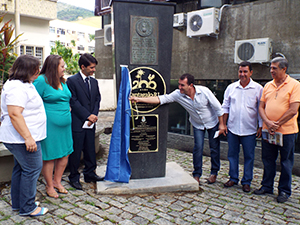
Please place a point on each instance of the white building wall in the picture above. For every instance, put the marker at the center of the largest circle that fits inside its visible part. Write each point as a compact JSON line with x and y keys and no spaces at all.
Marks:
{"x":108,"y":94}
{"x":35,"y":32}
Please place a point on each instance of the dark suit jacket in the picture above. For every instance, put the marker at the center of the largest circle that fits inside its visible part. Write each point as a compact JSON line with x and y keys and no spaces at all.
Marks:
{"x":82,"y":106}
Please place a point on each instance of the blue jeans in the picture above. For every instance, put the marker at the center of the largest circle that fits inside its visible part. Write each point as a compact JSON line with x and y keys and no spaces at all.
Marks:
{"x":248,"y":143}
{"x":269,"y":157}
{"x":214,"y":145}
{"x":26,"y":171}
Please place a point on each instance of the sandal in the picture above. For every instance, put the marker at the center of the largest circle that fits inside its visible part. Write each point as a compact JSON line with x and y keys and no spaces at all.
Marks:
{"x":62,"y":190}
{"x":52,"y":194}
{"x":42,"y":212}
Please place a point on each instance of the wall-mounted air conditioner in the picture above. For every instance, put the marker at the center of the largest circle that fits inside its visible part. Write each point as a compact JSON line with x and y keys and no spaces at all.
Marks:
{"x":253,"y":50}
{"x":179,"y":20}
{"x":107,"y":35}
{"x":203,"y":22}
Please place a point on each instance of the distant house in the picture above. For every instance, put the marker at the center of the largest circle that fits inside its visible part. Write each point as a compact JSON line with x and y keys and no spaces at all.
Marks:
{"x":34,"y":24}
{"x":66,"y":32}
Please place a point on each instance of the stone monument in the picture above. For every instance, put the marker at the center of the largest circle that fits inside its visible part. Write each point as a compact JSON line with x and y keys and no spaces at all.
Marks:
{"x":143,"y":40}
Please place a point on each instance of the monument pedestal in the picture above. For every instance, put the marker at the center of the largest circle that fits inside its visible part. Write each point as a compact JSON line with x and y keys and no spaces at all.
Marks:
{"x":143,"y":33}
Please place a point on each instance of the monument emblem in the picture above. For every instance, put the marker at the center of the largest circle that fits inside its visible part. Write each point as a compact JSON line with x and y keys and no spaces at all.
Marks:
{"x":139,"y":83}
{"x":146,"y":82}
{"x":144,"y":27}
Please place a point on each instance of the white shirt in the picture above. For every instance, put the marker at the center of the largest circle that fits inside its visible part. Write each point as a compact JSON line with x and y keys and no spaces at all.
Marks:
{"x":17,"y":93}
{"x":242,"y":106}
{"x":204,"y":110}
{"x":84,"y":77}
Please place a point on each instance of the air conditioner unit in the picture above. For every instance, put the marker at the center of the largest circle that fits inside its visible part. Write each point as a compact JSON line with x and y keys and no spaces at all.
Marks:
{"x":203,"y":22}
{"x":107,"y":35}
{"x":179,"y":20}
{"x":253,"y":50}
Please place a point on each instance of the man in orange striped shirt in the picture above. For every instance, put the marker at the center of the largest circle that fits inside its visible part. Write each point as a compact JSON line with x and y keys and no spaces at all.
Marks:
{"x":279,"y":110}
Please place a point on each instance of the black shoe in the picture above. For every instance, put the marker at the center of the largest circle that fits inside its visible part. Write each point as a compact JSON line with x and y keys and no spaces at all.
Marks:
{"x":76,"y":184}
{"x":262,"y":191}
{"x":94,"y":178}
{"x":282,"y":197}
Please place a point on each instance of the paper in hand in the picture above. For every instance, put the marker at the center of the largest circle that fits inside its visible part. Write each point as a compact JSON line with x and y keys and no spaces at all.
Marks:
{"x":86,"y":126}
{"x":217,"y":134}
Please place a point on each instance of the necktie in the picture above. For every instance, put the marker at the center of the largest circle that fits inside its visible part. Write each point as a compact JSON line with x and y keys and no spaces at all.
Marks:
{"x":87,"y":84}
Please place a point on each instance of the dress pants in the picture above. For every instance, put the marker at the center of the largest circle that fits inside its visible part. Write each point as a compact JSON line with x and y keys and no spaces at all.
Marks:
{"x":83,"y":141}
{"x":269,"y":157}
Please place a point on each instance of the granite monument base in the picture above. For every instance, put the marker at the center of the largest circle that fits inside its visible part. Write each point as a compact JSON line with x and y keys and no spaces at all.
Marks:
{"x":176,"y":180}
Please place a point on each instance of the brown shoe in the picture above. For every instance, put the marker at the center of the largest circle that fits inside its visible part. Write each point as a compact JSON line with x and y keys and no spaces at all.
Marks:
{"x":212,"y":179}
{"x":197,"y":179}
{"x":246,"y":188}
{"x":229,"y":183}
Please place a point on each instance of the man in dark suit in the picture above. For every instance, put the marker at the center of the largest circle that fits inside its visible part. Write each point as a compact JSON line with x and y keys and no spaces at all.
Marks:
{"x":84,"y":104}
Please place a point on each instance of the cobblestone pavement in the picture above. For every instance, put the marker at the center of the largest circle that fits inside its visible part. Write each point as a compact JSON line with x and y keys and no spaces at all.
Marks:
{"x":212,"y":204}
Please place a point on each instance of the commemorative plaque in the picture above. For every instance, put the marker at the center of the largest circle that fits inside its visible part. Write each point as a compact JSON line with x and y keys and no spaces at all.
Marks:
{"x":144,"y":40}
{"x":144,"y":133}
{"x":146,"y":82}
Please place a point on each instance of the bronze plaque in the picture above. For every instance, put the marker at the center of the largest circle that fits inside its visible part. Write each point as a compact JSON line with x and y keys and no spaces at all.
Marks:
{"x":144,"y":40}
{"x":146,"y":82}
{"x":144,"y":134}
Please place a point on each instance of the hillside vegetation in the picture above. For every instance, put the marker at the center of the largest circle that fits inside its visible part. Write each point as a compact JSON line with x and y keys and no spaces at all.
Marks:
{"x":71,"y":13}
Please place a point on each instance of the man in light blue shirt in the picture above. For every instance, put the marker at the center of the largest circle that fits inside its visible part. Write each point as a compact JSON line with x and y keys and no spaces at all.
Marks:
{"x":240,"y":106}
{"x":205,"y":114}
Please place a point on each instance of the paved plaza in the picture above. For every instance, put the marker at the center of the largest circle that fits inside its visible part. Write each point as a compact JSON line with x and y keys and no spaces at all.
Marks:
{"x":212,"y":204}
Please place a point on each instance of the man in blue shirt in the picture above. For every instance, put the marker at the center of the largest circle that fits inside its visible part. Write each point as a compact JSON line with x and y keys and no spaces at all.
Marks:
{"x":240,"y":106}
{"x":205,"y":114}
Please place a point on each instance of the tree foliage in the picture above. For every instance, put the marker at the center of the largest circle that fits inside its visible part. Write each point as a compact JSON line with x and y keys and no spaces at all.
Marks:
{"x":7,"y":45}
{"x":71,"y":60}
{"x":91,"y":37}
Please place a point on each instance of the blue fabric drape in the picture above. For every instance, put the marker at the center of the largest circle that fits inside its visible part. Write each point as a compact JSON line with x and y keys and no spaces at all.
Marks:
{"x":118,"y":167}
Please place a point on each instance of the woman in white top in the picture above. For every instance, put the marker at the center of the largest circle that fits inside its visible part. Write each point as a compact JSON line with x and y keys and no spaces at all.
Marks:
{"x":23,"y":127}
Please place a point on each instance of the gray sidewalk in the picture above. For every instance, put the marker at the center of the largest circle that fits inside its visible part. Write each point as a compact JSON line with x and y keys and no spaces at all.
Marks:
{"x":212,"y":204}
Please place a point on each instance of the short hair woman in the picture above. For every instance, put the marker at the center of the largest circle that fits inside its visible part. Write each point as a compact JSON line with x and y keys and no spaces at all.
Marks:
{"x":23,"y":127}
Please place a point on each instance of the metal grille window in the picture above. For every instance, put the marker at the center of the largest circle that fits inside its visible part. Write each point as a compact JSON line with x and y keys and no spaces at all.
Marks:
{"x":39,"y":54}
{"x":21,"y":50}
{"x":52,"y":44}
{"x":29,"y":50}
{"x":80,"y":35}
{"x":80,"y":48}
{"x":52,"y":29}
{"x":91,"y":49}
{"x":61,"y":31}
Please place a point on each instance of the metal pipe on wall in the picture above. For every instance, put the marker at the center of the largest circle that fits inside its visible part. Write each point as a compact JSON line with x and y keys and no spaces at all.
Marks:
{"x":17,"y":23}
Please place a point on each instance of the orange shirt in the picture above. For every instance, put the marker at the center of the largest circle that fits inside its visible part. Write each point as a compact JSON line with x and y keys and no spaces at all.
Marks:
{"x":277,"y":102}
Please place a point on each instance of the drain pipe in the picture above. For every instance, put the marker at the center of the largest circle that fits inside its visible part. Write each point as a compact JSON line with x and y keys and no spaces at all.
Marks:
{"x":17,"y":24}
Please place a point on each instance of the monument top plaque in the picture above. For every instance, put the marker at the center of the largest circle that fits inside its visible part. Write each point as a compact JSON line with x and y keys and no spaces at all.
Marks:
{"x":144,"y":40}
